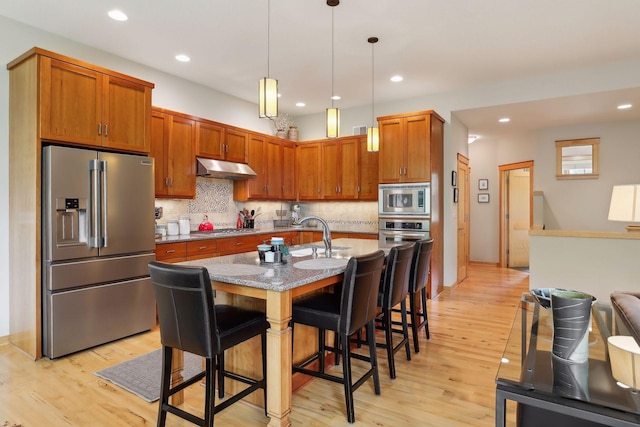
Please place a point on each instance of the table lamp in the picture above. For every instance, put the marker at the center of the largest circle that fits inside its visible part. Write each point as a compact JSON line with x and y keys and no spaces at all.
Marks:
{"x":624,"y":355}
{"x":625,"y":205}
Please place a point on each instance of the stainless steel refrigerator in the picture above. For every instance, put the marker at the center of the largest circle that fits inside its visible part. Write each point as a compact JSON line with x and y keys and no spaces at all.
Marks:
{"x":97,"y":239}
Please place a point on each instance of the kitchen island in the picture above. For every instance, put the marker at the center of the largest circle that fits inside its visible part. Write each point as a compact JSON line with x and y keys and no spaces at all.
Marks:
{"x":242,"y":279}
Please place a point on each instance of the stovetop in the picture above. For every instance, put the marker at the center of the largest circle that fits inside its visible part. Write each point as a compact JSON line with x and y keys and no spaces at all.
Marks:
{"x":225,"y":231}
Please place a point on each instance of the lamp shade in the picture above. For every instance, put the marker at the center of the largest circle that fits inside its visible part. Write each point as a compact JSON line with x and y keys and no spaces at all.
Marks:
{"x":624,"y":354}
{"x":625,"y":203}
{"x":268,"y":97}
{"x":373,"y":139}
{"x":333,"y":122}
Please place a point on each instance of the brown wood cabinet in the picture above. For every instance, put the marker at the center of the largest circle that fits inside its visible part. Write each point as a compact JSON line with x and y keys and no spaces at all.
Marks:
{"x":173,"y":144}
{"x":339,"y":173}
{"x":221,"y":142}
{"x":82,"y":104}
{"x":347,"y":171}
{"x":198,"y":249}
{"x":273,"y":160}
{"x":368,"y":169}
{"x":309,"y":161}
{"x":405,"y":141}
{"x":171,"y":252}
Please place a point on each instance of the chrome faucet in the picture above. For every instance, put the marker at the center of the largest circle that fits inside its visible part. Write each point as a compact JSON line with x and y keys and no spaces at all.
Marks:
{"x":326,"y":233}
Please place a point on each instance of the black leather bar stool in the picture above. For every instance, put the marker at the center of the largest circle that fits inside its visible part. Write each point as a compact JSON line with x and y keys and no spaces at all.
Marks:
{"x":420,"y":267}
{"x":393,"y":292}
{"x":190,"y":321}
{"x":345,"y":313}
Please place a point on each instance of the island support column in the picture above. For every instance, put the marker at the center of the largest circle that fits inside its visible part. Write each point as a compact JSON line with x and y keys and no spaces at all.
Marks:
{"x":279,"y":358}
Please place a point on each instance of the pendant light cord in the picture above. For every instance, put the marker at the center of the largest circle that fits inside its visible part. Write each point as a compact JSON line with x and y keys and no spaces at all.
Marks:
{"x":332,"y":56}
{"x":372,"y":85}
{"x":268,"y":35}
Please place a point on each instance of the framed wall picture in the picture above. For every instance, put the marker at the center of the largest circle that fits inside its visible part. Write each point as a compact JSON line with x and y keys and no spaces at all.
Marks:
{"x":454,"y":178}
{"x":483,"y":197}
{"x":455,"y":195}
{"x":483,"y":184}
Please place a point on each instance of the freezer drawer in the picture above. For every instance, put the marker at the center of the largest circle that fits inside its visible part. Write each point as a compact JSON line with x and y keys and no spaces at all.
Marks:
{"x":95,"y":271}
{"x":83,"y":318}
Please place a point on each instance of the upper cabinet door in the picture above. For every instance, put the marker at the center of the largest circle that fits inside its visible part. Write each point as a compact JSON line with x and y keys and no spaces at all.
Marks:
{"x":70,"y":103}
{"x":308,"y":171}
{"x":391,"y":149}
{"x":126,"y":115}
{"x":236,"y":145}
{"x":182,"y":165}
{"x":209,"y":140}
{"x":349,"y":153}
{"x":417,"y":154}
{"x":288,"y":170}
{"x":368,"y":189}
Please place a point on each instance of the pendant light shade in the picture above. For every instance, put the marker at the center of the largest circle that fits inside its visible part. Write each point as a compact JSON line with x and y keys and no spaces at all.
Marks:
{"x":333,"y":122}
{"x":373,"y":139}
{"x":268,"y":87}
{"x":373,"y":133}
{"x":333,"y":114}
{"x":268,"y":97}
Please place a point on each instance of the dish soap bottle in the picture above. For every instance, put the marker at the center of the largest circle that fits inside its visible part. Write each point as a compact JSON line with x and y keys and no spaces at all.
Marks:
{"x":239,"y":223}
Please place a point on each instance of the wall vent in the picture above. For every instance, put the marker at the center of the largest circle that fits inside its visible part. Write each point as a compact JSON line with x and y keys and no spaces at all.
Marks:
{"x":360,"y":130}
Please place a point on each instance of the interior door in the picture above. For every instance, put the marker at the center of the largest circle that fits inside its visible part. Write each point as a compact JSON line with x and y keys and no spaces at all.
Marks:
{"x":463,"y":217}
{"x":516,"y":213}
{"x":518,"y":219}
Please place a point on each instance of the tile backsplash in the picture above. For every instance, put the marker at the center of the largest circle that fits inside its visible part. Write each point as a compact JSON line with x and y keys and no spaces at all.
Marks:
{"x":214,"y":198}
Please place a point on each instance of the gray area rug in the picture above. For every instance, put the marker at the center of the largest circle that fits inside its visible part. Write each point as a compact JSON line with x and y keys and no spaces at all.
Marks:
{"x":141,"y":375}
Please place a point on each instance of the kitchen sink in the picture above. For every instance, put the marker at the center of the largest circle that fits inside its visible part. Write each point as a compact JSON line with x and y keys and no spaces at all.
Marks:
{"x":321,"y":263}
{"x":308,"y":251}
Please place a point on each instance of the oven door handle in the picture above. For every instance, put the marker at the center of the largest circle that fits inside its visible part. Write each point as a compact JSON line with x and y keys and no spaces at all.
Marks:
{"x":402,"y":234}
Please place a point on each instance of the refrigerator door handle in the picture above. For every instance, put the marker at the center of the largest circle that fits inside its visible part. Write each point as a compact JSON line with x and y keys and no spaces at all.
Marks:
{"x":103,"y":210}
{"x":94,"y":204}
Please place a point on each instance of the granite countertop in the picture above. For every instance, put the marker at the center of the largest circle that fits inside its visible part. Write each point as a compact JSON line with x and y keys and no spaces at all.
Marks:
{"x":246,"y":269}
{"x":254,"y":231}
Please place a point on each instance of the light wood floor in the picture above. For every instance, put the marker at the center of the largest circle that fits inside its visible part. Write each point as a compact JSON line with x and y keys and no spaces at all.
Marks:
{"x":449,"y":383}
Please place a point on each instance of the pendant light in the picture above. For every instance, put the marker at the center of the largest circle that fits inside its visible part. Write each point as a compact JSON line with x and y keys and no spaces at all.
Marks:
{"x":268,"y":87}
{"x":333,"y":114}
{"x":373,"y":133}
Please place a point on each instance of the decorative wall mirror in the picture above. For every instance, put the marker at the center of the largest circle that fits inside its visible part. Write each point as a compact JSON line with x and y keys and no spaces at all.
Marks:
{"x":577,"y":158}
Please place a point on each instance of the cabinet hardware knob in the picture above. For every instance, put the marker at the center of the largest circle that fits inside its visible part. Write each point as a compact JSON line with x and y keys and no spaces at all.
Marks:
{"x":170,"y":251}
{"x":106,"y":130}
{"x":99,"y":128}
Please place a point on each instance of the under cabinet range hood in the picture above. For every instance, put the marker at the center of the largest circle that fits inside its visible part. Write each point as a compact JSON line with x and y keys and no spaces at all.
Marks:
{"x":211,"y":168}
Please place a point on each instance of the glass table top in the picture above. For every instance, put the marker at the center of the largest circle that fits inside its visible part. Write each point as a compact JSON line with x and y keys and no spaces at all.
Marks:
{"x":528,"y":363}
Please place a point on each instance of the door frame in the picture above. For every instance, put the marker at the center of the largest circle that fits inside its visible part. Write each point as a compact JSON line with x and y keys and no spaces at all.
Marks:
{"x":503,"y":169}
{"x":463,"y":160}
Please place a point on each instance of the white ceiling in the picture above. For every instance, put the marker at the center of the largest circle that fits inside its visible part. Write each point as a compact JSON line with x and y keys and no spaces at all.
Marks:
{"x":437,"y":45}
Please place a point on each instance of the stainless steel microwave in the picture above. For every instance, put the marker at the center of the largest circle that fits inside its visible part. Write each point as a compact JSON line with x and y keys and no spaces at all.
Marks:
{"x":404,"y":199}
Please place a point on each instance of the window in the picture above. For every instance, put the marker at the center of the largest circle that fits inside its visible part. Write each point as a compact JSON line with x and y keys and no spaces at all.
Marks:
{"x":577,"y":158}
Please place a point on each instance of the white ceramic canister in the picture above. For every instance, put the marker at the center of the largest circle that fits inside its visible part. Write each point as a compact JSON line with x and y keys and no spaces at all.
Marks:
{"x":185,"y":225}
{"x":173,"y":229}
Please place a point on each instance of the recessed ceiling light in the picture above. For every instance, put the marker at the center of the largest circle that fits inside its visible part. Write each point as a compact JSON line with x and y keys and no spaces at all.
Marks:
{"x":396,"y":79}
{"x":183,"y":58}
{"x":118,"y":15}
{"x":624,"y":106}
{"x":335,"y":97}
{"x":504,"y":120}
{"x":300,"y":104}
{"x":472,"y":138}
{"x":279,"y":95}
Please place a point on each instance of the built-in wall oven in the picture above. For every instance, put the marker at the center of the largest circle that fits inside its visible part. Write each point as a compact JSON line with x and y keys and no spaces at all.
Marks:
{"x":404,"y":211}
{"x":402,"y":230}
{"x":404,"y":199}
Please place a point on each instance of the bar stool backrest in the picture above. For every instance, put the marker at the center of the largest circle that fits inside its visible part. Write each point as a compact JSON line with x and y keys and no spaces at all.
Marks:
{"x":360,"y":292}
{"x":395,"y":282}
{"x":420,"y":265}
{"x":186,"y":309}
